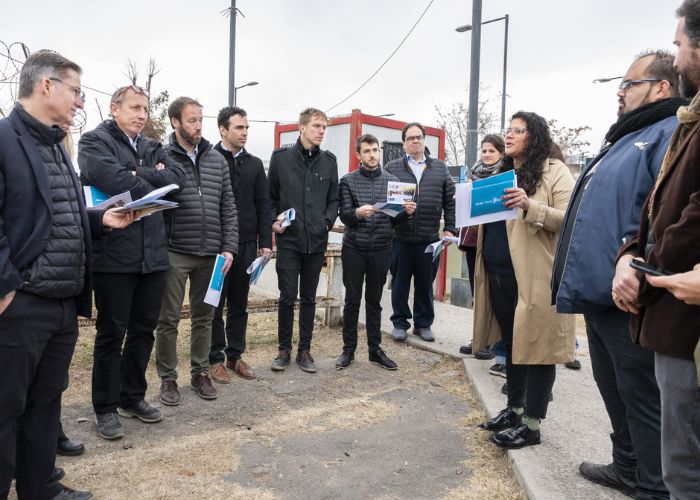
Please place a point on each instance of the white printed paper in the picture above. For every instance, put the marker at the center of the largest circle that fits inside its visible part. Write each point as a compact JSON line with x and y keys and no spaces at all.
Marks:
{"x":216,"y":283}
{"x":400,"y":192}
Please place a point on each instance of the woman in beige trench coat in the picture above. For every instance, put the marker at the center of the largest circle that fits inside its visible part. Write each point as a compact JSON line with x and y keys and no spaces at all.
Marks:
{"x":512,"y":299}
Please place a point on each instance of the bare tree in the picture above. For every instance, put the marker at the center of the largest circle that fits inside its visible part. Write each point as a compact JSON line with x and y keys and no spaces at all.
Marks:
{"x":568,"y":138}
{"x":454,"y":121}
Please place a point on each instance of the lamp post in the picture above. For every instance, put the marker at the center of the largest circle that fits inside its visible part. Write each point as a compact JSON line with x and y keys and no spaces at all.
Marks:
{"x":606,"y":80}
{"x":468,"y":27}
{"x":235,"y":90}
{"x":232,"y":56}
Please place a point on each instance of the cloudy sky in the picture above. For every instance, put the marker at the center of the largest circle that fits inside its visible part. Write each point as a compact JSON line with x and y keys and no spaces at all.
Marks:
{"x":307,"y":53}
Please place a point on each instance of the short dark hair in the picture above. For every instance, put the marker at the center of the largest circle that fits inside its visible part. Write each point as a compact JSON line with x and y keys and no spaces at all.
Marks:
{"x":306,"y":115}
{"x":661,"y":67}
{"x":496,"y":141}
{"x":176,"y":107}
{"x":690,"y":10}
{"x":367,"y":139}
{"x":409,"y":125}
{"x":43,"y":64}
{"x":226,"y":113}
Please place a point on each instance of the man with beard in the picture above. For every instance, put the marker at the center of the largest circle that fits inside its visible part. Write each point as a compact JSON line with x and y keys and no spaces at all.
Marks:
{"x":203,"y":225}
{"x":603,"y":213}
{"x":129,"y":264}
{"x":667,"y":239}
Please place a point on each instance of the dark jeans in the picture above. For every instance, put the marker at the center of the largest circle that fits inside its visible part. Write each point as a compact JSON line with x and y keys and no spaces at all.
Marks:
{"x":128,"y":305}
{"x":624,"y":373}
{"x":229,"y":342}
{"x":529,"y":386}
{"x":297,"y":273}
{"x":356,"y":265}
{"x":470,"y":252}
{"x":409,"y":260}
{"x":37,"y":339}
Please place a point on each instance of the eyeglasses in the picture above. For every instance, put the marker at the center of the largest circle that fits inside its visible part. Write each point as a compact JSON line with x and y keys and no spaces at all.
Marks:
{"x":135,"y":88}
{"x":412,"y":138}
{"x":626,"y":84}
{"x":76,"y":90}
{"x":514,"y":130}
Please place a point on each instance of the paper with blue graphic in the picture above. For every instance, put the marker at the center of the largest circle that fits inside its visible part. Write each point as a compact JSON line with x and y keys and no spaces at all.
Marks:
{"x":98,"y":200}
{"x":480,"y":202}
{"x":216,"y":283}
{"x":256,"y":268}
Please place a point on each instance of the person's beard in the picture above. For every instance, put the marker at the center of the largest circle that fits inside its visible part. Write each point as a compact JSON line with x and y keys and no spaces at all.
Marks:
{"x":688,"y":78}
{"x":189,"y":139}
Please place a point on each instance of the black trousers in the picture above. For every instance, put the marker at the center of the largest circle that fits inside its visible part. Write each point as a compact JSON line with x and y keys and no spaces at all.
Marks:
{"x":229,"y":342}
{"x":357,"y":265}
{"x":409,"y":260}
{"x":37,"y":339}
{"x":471,"y":265}
{"x":529,"y":386}
{"x":624,"y":373}
{"x":297,"y":273}
{"x":128,"y":305}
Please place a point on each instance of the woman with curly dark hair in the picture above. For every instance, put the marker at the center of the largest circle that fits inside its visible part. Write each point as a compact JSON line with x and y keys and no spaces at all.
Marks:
{"x":512,"y":300}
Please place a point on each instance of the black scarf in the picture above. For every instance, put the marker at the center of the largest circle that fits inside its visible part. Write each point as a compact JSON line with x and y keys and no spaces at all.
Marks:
{"x":40,"y":131}
{"x":642,"y":117}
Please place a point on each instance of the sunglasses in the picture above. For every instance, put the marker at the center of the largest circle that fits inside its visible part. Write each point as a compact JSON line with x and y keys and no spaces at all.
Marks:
{"x":122,"y":91}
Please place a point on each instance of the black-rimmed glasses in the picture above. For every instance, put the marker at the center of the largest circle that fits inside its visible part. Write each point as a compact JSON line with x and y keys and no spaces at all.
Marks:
{"x":76,"y":90}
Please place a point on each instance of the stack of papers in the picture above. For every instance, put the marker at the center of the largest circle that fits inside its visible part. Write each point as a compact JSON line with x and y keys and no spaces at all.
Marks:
{"x":480,"y":202}
{"x":150,"y":203}
{"x":97,"y":200}
{"x":437,"y":247}
{"x":256,"y":268}
{"x":287,"y":217}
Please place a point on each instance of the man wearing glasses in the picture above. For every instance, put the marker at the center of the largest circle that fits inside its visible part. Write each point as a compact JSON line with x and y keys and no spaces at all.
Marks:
{"x":603,"y":214}
{"x":129,"y":264}
{"x":434,"y":196}
{"x":45,"y":271}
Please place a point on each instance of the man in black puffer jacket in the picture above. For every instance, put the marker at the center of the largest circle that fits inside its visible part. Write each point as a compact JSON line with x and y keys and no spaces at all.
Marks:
{"x":305,"y":178}
{"x":434,"y":195}
{"x":366,"y":249}
{"x":129,"y":264}
{"x":204,"y":225}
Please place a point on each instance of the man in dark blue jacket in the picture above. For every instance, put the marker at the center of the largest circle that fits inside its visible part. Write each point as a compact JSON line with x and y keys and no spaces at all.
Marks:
{"x":366,"y":249}
{"x":129,"y":265}
{"x":603,"y":213}
{"x":434,"y":196}
{"x":45,"y":255}
{"x":252,"y":195}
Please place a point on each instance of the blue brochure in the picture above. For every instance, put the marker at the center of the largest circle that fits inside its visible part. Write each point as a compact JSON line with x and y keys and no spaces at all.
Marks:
{"x":216,"y":283}
{"x":486,"y":196}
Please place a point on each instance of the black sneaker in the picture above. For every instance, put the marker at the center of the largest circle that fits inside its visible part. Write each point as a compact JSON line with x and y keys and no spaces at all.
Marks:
{"x":281,"y":362}
{"x":70,"y":494}
{"x":380,"y":358}
{"x":108,"y":425}
{"x":143,"y":411}
{"x":499,"y":369}
{"x":306,"y":362}
{"x":345,"y":359}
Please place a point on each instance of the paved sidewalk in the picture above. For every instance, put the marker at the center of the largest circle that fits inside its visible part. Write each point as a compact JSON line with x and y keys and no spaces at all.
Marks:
{"x":576,"y":427}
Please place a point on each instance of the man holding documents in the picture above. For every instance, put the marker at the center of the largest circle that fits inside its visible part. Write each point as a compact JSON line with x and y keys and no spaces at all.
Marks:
{"x":612,"y":189}
{"x":433,"y":196}
{"x":303,"y":177}
{"x":366,"y":249}
{"x":129,"y":264}
{"x":45,"y":271}
{"x":204,"y":225}
{"x":251,"y":191}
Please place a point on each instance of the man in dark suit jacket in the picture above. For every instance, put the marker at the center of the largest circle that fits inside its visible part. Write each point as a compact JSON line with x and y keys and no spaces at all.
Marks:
{"x":45,"y":235}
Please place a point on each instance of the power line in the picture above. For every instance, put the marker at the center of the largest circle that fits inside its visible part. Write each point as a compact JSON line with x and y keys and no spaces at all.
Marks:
{"x":386,"y":61}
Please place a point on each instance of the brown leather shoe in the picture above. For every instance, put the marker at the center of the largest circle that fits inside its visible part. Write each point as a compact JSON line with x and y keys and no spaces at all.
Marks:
{"x":218,"y":374}
{"x":169,"y":395}
{"x":201,"y":384}
{"x":241,"y":368}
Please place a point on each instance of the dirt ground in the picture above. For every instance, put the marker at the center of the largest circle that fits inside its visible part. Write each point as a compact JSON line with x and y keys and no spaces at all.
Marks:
{"x":363,"y":432}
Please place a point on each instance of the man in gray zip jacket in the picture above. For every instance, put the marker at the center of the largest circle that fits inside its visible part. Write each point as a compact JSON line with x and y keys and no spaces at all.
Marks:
{"x":204,"y":225}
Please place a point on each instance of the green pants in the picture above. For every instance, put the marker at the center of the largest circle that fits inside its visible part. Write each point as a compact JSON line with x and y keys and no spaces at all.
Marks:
{"x":198,"y":270}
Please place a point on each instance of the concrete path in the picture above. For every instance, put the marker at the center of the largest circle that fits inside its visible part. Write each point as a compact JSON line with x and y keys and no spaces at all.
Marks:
{"x":576,"y":428}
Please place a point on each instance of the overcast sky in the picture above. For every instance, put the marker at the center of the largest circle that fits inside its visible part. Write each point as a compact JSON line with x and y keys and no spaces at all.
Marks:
{"x":307,"y":53}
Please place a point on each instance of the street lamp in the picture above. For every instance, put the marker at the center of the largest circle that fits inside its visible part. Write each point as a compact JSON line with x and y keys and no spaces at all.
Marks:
{"x":606,"y":80}
{"x":385,"y":114}
{"x":468,"y":27}
{"x":235,"y":90}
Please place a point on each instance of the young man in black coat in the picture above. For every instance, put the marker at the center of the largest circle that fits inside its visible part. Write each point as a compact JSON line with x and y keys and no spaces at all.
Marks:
{"x":252,"y":195}
{"x":129,"y":265}
{"x":305,"y":178}
{"x":366,"y":249}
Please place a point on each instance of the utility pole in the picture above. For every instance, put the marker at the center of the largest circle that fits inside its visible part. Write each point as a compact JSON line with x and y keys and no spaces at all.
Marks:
{"x":473,"y":119}
{"x":232,"y":56}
